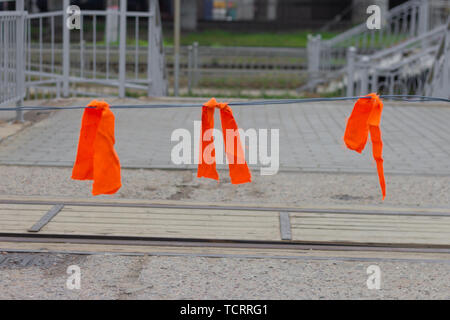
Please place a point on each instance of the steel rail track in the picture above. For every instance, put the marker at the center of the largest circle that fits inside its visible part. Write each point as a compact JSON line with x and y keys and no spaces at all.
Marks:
{"x":218,"y":243}
{"x":219,"y":207}
{"x":227,"y":245}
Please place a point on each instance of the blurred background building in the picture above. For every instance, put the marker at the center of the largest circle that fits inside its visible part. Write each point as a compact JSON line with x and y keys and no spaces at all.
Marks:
{"x":249,"y":48}
{"x":250,"y":14}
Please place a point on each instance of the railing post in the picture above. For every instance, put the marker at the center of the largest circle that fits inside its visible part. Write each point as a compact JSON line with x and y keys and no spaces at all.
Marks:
{"x":313,"y":51}
{"x":66,"y":50}
{"x":412,"y":31}
{"x":150,"y":43}
{"x":391,"y":83}
{"x":195,"y":63}
{"x":20,"y":65}
{"x":365,"y":62}
{"x":424,"y":14}
{"x":155,"y":55}
{"x":374,"y":82}
{"x":446,"y":74}
{"x":122,"y":47}
{"x":111,"y":21}
{"x":445,"y":83}
{"x":58,"y":89}
{"x":351,"y":54}
{"x":82,"y":63}
{"x":176,"y":47}
{"x":190,"y":63}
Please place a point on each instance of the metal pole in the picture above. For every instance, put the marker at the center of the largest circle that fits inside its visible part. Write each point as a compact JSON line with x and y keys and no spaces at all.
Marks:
{"x":195,"y":64}
{"x":391,"y":83}
{"x":150,"y":43}
{"x":20,"y":65}
{"x":190,"y":58}
{"x":374,"y":82}
{"x":313,"y":51}
{"x":424,"y":20}
{"x":58,"y":89}
{"x":365,"y":75}
{"x":446,"y":53}
{"x":447,"y":58}
{"x":176,"y":47}
{"x":423,"y":16}
{"x":310,"y":53}
{"x":66,"y":50}
{"x":122,"y":47}
{"x":351,"y":53}
{"x":112,"y":7}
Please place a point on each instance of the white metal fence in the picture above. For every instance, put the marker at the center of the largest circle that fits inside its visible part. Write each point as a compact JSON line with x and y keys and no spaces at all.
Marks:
{"x":8,"y":60}
{"x":438,"y":81}
{"x":403,"y":69}
{"x":12,"y":81}
{"x":52,"y":60}
{"x":86,"y":56}
{"x":327,"y":58}
{"x":239,"y":68}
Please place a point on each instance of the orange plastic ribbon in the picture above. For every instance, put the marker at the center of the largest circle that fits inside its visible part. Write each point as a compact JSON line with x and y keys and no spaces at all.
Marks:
{"x":365,"y":118}
{"x":239,"y":171}
{"x":96,"y":158}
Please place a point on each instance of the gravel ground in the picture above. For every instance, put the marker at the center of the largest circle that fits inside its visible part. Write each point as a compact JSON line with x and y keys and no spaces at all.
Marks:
{"x":284,"y":188}
{"x":159,"y":277}
{"x":152,"y":277}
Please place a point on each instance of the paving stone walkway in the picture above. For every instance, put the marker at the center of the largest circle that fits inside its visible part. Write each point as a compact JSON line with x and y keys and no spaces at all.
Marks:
{"x":416,"y":137}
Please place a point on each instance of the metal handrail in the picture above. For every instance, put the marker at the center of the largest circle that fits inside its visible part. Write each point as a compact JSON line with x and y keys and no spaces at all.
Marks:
{"x":361,"y":28}
{"x":438,"y":31}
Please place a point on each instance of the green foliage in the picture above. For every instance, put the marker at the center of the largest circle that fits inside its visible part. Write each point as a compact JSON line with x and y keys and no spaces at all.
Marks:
{"x":219,"y":38}
{"x":240,"y":95}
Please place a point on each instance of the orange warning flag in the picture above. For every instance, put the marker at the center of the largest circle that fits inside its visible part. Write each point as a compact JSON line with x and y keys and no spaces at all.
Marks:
{"x":96,"y":158}
{"x":239,"y":171}
{"x":365,"y":118}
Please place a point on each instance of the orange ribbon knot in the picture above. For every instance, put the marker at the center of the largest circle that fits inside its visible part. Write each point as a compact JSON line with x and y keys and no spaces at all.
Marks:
{"x":239,"y":171}
{"x":365,"y":118}
{"x":96,"y":158}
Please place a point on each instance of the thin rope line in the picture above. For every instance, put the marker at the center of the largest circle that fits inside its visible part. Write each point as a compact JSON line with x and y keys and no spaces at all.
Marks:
{"x":406,"y":98}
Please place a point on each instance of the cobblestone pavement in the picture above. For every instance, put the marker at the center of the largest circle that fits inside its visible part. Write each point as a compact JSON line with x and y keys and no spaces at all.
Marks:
{"x":416,"y":137}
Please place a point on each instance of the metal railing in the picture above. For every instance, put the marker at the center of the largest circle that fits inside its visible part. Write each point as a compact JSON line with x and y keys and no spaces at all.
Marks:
{"x":8,"y":59}
{"x":239,"y":69}
{"x":438,"y":82}
{"x":60,"y":62}
{"x":92,"y":58}
{"x":401,"y":23}
{"x":402,"y":69}
{"x":12,"y":82}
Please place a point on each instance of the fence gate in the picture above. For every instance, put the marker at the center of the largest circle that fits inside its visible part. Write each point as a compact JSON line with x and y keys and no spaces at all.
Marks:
{"x":8,"y":67}
{"x":328,"y":59}
{"x":438,"y":82}
{"x":11,"y":57}
{"x":41,"y":56}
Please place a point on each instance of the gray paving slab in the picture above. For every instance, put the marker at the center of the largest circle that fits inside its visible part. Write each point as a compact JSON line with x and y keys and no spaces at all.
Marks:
{"x":416,"y":137}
